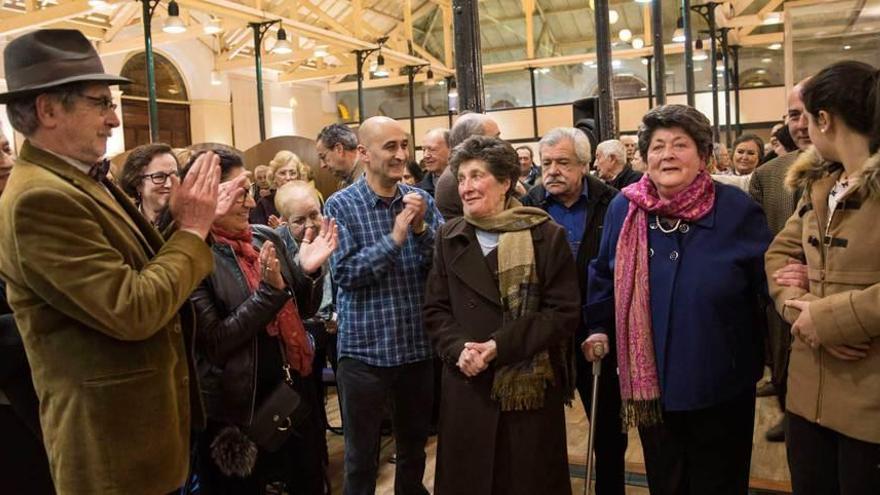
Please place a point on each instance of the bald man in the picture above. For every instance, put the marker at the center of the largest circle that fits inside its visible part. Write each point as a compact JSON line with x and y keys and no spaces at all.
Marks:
{"x":467,"y":125}
{"x":386,"y":245}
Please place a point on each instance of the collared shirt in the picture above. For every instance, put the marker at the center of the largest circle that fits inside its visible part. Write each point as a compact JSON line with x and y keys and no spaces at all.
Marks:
{"x":82,"y":167}
{"x":356,"y":173}
{"x":534,"y":176}
{"x":380,"y":285}
{"x":573,"y":218}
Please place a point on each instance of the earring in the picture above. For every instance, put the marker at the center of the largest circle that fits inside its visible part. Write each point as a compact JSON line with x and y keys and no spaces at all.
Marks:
{"x":822,"y":130}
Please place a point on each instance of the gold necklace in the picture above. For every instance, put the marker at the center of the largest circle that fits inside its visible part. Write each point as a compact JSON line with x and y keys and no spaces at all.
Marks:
{"x":660,"y":225}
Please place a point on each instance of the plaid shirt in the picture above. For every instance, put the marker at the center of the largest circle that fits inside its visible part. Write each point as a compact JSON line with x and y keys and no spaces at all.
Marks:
{"x":380,"y":286}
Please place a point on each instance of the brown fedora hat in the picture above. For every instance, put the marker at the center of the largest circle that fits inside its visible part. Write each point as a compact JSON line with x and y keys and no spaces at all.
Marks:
{"x":48,"y":58}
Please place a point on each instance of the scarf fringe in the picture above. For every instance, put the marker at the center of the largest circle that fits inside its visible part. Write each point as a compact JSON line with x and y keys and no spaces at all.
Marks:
{"x":519,"y":393}
{"x":636,"y":413}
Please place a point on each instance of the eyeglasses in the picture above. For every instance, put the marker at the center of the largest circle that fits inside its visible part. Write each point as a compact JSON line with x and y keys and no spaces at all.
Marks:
{"x":105,"y":103}
{"x":159,"y":178}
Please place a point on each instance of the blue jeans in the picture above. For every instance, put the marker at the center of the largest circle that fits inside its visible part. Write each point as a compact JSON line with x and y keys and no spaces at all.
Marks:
{"x":364,"y":390}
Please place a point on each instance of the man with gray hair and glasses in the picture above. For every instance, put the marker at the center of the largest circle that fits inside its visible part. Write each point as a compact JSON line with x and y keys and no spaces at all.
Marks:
{"x":577,"y":201}
{"x":446,"y":188}
{"x":337,"y":152}
{"x":100,"y":298}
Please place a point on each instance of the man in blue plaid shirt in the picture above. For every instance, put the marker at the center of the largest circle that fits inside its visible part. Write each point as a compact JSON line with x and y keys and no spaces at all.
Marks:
{"x":386,"y":245}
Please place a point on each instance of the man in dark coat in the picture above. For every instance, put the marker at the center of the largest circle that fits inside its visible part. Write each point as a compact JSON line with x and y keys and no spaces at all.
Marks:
{"x":435,"y":146}
{"x":577,"y":201}
{"x":767,"y":187}
{"x":612,"y":166}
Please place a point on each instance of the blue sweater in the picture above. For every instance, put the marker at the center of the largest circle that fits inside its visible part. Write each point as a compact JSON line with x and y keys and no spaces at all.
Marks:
{"x":708,"y":292}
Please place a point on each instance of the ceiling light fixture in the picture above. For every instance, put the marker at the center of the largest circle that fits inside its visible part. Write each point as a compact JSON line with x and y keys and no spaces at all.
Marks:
{"x":638,"y":43}
{"x":775,"y":46}
{"x":173,"y":23}
{"x":678,"y":34}
{"x":212,"y":27}
{"x":625,"y":35}
{"x":282,"y":45}
{"x":613,"y":16}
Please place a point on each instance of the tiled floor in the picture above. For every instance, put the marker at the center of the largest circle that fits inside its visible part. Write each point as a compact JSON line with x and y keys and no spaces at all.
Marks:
{"x":769,"y":468}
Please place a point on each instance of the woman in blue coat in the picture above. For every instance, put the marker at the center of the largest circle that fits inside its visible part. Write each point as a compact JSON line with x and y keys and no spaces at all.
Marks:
{"x":680,"y":279}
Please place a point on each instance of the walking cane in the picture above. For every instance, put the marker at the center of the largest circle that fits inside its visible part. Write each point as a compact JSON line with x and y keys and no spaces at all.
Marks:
{"x":598,"y":350}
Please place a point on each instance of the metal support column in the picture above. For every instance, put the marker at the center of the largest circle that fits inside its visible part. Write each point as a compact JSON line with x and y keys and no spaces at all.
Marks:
{"x":688,"y":52}
{"x":659,"y":60}
{"x":534,"y":102}
{"x":707,"y":10}
{"x":360,"y":59}
{"x":726,"y":59}
{"x":735,"y":49}
{"x":411,"y":71}
{"x":603,"y":59}
{"x":149,"y":7}
{"x":260,"y":29}
{"x":650,"y":82}
{"x":468,"y":56}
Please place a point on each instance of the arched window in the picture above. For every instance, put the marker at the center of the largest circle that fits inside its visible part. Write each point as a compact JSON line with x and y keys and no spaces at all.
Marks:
{"x":173,"y":103}
{"x":169,"y":83}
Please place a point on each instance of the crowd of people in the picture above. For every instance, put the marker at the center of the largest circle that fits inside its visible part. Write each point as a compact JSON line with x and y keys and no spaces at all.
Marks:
{"x":165,"y":328}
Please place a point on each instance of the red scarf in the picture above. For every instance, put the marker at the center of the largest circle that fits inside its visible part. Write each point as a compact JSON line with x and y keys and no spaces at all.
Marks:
{"x":287,"y":322}
{"x":639,"y":381}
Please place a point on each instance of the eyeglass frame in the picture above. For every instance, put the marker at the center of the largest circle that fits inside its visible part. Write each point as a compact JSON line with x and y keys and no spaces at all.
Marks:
{"x":153,"y":176}
{"x":105,"y":103}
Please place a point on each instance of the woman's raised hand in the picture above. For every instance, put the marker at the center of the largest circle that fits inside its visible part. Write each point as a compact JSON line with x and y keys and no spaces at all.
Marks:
{"x":316,"y":247}
{"x":270,"y":267}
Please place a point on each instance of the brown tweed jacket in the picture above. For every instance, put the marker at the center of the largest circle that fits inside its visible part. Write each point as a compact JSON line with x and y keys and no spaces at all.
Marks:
{"x":767,"y":187}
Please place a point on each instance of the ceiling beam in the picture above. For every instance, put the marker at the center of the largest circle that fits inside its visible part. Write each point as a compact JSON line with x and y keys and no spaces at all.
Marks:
{"x":770,"y":7}
{"x":43,"y":17}
{"x":121,"y":19}
{"x":268,"y":59}
{"x":528,"y":7}
{"x":447,"y":36}
{"x":303,"y":76}
{"x":669,"y":49}
{"x":325,"y":18}
{"x":375,"y":83}
{"x":137,"y":42}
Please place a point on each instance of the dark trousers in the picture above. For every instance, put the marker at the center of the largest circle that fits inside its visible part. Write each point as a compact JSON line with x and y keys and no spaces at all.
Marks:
{"x":24,"y":467}
{"x":610,"y":441}
{"x":298,"y":467}
{"x":825,"y":462}
{"x":702,"y":451}
{"x":364,"y":390}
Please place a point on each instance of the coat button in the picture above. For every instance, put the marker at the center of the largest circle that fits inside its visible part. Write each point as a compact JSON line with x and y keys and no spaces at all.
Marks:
{"x":652,"y":226}
{"x":673,"y":255}
{"x":684,"y":228}
{"x":471,"y":304}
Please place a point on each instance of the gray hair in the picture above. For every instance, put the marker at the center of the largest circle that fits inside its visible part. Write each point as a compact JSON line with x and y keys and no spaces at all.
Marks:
{"x":467,"y":125}
{"x":334,"y":134}
{"x":578,"y":139}
{"x":442,"y":132}
{"x":22,"y":112}
{"x":612,"y":147}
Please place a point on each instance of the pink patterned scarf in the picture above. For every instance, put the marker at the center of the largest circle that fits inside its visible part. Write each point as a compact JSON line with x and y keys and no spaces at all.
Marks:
{"x":639,"y":381}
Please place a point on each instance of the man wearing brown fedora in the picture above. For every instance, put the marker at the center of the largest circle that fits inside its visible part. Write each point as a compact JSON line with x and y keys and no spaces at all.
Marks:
{"x":99,"y":297}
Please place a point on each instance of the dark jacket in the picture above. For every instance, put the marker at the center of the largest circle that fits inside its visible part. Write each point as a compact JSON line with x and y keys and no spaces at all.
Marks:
{"x":231,"y":321}
{"x":707,"y":297}
{"x":462,"y":304}
{"x":626,"y":177}
{"x":264,"y":209}
{"x":427,"y":184}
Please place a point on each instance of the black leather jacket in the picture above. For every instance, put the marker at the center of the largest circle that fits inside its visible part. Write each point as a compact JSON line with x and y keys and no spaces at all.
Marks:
{"x":231,"y":321}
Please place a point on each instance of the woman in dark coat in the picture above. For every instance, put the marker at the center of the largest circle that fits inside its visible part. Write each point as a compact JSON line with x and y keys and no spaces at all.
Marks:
{"x":249,"y":313}
{"x":501,"y":308}
{"x":680,"y":278}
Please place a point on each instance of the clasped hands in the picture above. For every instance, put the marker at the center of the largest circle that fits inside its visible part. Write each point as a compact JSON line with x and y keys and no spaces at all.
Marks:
{"x":476,"y":356}
{"x":794,"y":274}
{"x":412,"y":215}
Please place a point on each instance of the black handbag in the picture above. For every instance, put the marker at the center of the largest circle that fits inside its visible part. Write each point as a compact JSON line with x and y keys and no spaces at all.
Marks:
{"x":280,"y":414}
